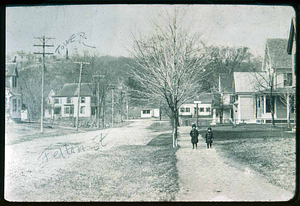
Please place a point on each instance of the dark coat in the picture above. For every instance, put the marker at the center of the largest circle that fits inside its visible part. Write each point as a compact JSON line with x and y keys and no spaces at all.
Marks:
{"x":194,"y":136}
{"x":209,"y":137}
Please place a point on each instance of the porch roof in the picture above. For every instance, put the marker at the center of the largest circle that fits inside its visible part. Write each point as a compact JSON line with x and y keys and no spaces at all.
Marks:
{"x":286,"y":90}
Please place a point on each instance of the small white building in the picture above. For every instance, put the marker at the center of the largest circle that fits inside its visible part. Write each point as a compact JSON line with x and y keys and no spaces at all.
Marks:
{"x":189,"y":109}
{"x":148,"y":113}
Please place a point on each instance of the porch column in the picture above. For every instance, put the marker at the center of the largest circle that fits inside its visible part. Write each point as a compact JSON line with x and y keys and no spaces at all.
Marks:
{"x":265,"y":103}
{"x":288,"y":106}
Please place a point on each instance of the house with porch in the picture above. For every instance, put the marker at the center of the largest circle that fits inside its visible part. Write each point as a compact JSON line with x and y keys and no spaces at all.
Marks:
{"x":66,"y":101}
{"x":13,"y":100}
{"x":257,"y":94}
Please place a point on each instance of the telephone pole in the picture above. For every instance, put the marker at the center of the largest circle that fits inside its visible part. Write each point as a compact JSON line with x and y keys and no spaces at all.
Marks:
{"x":98,"y":77}
{"x":44,"y":45}
{"x":78,"y":94}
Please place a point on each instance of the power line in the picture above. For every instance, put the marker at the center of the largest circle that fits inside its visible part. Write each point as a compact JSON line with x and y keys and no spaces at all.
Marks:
{"x":44,"y":45}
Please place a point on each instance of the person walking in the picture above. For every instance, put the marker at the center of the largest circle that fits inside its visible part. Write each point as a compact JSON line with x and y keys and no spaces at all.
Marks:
{"x":194,"y":136}
{"x":209,"y":138}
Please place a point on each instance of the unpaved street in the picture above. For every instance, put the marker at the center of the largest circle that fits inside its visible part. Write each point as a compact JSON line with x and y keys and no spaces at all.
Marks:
{"x":204,"y":176}
{"x":40,"y":169}
{"x":41,"y":159}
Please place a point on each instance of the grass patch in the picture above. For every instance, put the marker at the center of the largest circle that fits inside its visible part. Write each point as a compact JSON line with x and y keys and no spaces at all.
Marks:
{"x":124,"y":173}
{"x":271,"y":152}
{"x":160,"y":126}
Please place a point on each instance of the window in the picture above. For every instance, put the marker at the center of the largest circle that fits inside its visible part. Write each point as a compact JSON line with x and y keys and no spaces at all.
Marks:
{"x":57,"y":110}
{"x":82,"y":109}
{"x":14,"y":81}
{"x":287,"y":79}
{"x":181,"y":109}
{"x":201,"y":109}
{"x":82,"y":99}
{"x":207,"y":109}
{"x":187,"y":109}
{"x":146,"y":111}
{"x":56,"y":101}
{"x":68,"y":99}
{"x":14,"y":105}
{"x":19,"y":105}
{"x":67,"y":110}
{"x":72,"y":110}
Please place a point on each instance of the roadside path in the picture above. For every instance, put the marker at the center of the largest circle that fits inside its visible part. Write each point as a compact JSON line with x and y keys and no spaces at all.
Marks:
{"x":203,"y":176}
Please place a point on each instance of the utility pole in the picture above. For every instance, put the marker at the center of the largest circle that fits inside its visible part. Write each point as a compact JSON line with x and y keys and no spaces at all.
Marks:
{"x":112,"y":87}
{"x":98,"y":77}
{"x":127,"y":104}
{"x":78,"y":94}
{"x":43,"y":40}
{"x":197,"y":108}
{"x":112,"y":107}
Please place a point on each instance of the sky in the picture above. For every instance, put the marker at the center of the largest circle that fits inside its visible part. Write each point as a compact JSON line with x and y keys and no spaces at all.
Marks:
{"x":107,"y":29}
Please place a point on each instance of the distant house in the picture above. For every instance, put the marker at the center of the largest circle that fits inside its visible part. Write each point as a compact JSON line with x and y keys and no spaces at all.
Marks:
{"x":50,"y":105}
{"x":149,"y":112}
{"x":222,"y":101}
{"x":66,"y":101}
{"x":13,"y":100}
{"x":189,"y":109}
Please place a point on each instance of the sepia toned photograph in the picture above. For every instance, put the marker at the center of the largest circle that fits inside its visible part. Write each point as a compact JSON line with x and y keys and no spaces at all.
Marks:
{"x":150,"y":103}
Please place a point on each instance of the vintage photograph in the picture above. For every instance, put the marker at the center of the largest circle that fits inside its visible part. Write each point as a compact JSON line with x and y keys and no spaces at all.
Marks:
{"x":176,"y":103}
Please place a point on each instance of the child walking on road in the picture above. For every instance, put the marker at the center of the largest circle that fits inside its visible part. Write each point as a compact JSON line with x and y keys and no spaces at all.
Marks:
{"x":209,"y":137}
{"x":194,"y":135}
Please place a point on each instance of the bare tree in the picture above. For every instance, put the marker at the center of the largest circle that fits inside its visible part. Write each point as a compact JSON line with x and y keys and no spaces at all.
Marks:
{"x":168,"y":64}
{"x":264,"y":83}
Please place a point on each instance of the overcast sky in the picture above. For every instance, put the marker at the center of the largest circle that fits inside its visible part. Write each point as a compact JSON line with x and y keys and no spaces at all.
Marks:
{"x":107,"y":29}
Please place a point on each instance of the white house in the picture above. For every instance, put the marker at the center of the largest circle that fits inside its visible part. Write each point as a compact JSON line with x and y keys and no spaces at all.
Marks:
{"x":66,"y":101}
{"x":189,"y":109}
{"x":13,"y":100}
{"x":149,"y":112}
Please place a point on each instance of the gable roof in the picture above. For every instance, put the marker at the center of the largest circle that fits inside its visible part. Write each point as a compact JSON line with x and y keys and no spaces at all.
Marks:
{"x":70,"y":90}
{"x":291,"y":36}
{"x":249,"y":82}
{"x":11,"y":69}
{"x":277,"y":51}
{"x":205,"y":98}
{"x":226,"y":82}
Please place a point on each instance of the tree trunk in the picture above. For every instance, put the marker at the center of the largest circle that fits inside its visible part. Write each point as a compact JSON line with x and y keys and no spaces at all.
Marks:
{"x":175,"y":127}
{"x":272,"y":109}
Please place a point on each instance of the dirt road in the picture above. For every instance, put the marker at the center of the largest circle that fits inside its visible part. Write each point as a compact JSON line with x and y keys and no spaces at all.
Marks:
{"x":204,"y":176}
{"x":29,"y":162}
